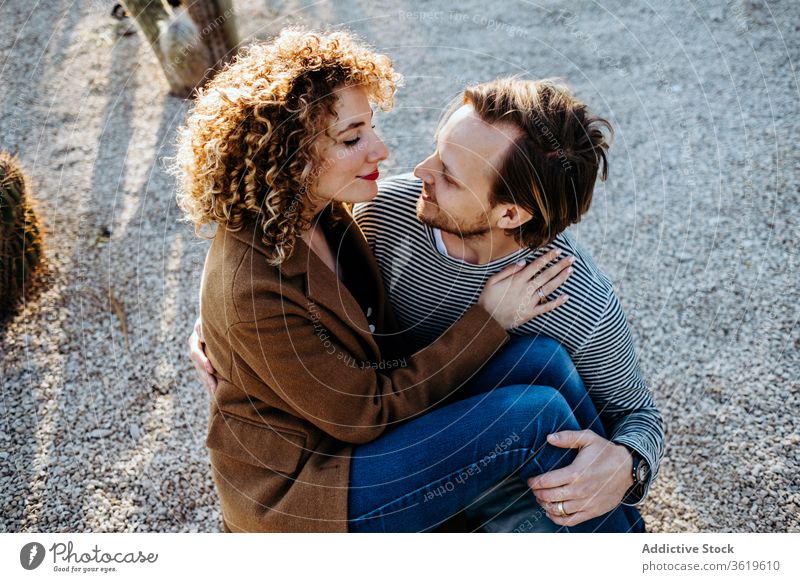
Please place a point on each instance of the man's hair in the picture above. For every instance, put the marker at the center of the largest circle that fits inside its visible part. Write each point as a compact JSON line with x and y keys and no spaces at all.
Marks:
{"x":551,"y":167}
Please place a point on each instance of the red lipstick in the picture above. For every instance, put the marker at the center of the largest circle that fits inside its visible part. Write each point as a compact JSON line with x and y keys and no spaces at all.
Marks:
{"x":373,"y":176}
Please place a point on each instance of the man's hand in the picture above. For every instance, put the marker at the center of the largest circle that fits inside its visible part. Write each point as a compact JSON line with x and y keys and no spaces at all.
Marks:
{"x":592,"y":485}
{"x":205,"y":371}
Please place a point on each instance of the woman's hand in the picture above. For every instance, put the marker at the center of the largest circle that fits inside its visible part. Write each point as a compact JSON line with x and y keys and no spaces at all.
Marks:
{"x":513,"y":295}
{"x":202,"y":365}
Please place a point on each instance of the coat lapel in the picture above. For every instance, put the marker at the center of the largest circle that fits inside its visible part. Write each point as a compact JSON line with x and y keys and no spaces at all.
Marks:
{"x":325,"y":290}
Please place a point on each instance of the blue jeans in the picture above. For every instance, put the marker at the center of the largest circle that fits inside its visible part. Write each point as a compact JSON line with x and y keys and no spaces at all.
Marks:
{"x":546,"y":362}
{"x":416,"y":476}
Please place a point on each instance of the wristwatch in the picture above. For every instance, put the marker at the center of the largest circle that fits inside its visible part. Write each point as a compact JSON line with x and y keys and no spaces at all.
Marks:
{"x":640,"y":473}
{"x":641,"y":468}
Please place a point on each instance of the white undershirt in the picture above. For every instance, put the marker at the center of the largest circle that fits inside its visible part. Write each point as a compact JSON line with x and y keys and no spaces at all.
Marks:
{"x":437,"y":235}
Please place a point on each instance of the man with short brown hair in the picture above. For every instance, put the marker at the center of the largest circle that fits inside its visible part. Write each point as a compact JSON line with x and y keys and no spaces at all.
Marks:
{"x":515,"y":164}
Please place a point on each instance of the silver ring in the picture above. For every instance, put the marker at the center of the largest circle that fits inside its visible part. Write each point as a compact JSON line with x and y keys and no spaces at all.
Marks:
{"x":542,"y":296}
{"x":561,"y":512}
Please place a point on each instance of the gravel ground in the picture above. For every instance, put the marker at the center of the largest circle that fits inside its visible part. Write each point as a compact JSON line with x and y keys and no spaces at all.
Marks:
{"x":101,"y":421}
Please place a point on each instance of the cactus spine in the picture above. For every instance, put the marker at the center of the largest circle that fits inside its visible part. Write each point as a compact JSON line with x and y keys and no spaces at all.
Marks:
{"x":20,"y":235}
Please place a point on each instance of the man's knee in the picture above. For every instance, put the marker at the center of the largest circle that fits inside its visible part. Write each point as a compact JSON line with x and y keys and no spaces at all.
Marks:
{"x":554,"y":358}
{"x":540,"y":343}
{"x":553,"y":407}
{"x":540,"y":404}
{"x":557,"y":356}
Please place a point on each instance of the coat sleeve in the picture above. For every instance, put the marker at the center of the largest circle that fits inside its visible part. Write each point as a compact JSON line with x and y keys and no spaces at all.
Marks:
{"x":309,"y":370}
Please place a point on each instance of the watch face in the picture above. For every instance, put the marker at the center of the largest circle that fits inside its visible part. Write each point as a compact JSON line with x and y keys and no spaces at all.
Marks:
{"x":642,"y":471}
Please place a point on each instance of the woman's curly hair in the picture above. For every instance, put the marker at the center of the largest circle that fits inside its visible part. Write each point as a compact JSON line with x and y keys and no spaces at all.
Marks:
{"x":246,"y":151}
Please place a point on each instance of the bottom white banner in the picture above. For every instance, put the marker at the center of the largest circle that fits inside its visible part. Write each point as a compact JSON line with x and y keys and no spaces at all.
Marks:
{"x":400,"y":557}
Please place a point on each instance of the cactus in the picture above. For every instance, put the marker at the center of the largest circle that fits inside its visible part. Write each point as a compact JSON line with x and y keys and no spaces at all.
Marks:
{"x":191,"y":39}
{"x":186,"y":57}
{"x":216,"y":21}
{"x":20,"y":236}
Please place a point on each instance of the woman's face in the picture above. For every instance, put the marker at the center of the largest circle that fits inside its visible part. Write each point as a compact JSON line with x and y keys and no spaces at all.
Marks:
{"x":350,"y":152}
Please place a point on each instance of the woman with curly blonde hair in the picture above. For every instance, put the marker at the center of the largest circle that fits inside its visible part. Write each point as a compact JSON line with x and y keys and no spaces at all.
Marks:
{"x":314,"y":383}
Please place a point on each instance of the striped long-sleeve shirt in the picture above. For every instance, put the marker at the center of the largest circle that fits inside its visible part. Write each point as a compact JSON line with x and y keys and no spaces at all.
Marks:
{"x":429,"y":291}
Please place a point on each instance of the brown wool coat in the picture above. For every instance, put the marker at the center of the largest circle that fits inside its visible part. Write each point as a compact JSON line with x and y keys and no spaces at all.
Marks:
{"x":293,"y":396}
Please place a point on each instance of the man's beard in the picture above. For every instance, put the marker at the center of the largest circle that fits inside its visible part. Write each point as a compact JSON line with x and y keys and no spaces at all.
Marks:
{"x":447,"y":223}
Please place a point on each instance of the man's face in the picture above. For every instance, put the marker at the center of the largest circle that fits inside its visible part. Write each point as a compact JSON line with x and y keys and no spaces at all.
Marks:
{"x":458,"y":176}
